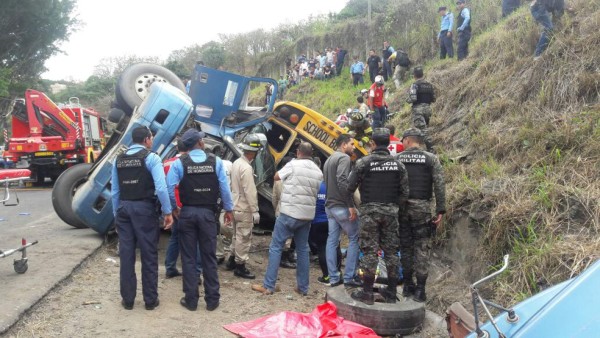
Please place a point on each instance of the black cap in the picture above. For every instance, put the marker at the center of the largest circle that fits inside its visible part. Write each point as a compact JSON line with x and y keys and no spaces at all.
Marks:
{"x":412,"y":132}
{"x":191,"y":137}
{"x":139,"y":134}
{"x":381,"y":136}
{"x":442,"y":8}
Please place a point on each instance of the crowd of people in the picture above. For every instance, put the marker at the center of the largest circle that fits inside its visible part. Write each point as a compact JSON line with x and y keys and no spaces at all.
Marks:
{"x":383,"y":202}
{"x":198,"y":192}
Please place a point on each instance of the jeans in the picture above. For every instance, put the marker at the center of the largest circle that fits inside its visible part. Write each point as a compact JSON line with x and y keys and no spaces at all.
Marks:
{"x":173,"y":252}
{"x":338,"y":218}
{"x":379,"y":117}
{"x":542,"y":16}
{"x":286,"y":227}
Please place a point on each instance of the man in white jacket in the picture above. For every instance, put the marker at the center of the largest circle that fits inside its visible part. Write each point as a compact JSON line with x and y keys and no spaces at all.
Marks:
{"x":301,"y":180}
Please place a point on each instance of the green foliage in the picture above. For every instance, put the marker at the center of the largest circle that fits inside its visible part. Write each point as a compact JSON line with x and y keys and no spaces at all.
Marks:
{"x":31,"y":33}
{"x":328,"y":97}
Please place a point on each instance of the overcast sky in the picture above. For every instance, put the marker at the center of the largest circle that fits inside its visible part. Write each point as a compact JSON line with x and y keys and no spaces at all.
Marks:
{"x":155,"y":28}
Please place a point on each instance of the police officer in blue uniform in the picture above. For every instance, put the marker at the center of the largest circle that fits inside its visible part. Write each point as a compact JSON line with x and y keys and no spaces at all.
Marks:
{"x":202,"y":179}
{"x":137,"y":180}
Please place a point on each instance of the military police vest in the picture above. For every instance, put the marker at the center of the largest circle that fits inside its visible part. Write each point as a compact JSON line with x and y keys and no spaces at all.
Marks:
{"x":420,"y":173}
{"x":135,"y":181}
{"x":424,"y":92}
{"x":381,"y":181}
{"x":200,"y":184}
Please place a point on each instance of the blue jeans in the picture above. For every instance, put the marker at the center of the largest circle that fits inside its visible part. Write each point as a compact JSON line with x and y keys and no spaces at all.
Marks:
{"x":338,"y":218}
{"x":173,"y":252}
{"x":542,"y":16}
{"x":286,"y":227}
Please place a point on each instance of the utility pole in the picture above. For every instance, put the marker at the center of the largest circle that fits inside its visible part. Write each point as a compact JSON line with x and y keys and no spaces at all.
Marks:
{"x":368,"y":29}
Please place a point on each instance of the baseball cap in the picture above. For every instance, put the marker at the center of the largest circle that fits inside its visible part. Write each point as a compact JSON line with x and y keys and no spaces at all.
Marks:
{"x":191,"y":137}
{"x":412,"y":132}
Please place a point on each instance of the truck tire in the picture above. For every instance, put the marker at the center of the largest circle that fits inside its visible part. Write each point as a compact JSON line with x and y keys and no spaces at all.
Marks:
{"x":115,"y":115}
{"x":64,"y":189}
{"x":404,"y":317}
{"x":134,"y":84}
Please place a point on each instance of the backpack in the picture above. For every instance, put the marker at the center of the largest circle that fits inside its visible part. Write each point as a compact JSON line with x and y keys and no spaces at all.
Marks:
{"x":402,"y":58}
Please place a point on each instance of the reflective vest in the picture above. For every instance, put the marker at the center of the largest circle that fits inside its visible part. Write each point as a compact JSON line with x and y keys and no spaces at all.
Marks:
{"x":135,"y":181}
{"x":200,"y":184}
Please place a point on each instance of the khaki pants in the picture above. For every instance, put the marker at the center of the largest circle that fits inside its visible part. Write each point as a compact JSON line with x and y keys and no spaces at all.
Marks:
{"x":242,"y":236}
{"x":224,"y":233}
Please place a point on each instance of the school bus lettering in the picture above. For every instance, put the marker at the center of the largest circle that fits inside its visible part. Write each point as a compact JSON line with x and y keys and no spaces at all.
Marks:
{"x":319,"y":134}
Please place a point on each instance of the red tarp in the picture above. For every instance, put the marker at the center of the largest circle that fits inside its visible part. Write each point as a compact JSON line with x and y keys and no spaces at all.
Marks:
{"x":322,"y":322}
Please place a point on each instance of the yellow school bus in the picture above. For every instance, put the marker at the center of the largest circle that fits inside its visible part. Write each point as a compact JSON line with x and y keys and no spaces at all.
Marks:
{"x":292,"y":122}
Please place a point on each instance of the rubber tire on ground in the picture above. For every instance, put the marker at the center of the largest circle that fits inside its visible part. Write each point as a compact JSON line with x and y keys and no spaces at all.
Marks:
{"x":20,"y":266}
{"x":404,"y":317}
{"x":63,"y":191}
{"x":134,"y":83}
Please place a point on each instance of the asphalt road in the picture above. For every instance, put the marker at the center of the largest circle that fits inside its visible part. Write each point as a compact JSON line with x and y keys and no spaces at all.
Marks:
{"x":60,"y":250}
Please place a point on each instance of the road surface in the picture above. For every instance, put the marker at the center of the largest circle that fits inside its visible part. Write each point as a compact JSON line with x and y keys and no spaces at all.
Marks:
{"x":60,"y":250}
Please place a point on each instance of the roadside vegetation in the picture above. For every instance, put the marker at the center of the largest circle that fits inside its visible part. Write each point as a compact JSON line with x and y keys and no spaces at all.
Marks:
{"x":520,"y":142}
{"x":519,"y":139}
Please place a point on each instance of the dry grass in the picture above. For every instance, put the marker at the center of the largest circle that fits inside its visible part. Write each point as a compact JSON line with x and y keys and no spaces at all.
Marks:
{"x":530,"y":131}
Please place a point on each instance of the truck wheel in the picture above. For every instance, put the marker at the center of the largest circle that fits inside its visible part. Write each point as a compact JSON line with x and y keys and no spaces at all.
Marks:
{"x":64,"y":189}
{"x":134,"y":84}
{"x":404,"y":317}
{"x":115,"y":115}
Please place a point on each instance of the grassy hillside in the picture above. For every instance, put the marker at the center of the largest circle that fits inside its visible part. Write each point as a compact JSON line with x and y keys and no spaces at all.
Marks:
{"x":520,"y":142}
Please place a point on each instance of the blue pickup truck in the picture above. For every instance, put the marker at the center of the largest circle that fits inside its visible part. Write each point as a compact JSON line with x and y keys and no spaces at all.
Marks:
{"x":220,"y":104}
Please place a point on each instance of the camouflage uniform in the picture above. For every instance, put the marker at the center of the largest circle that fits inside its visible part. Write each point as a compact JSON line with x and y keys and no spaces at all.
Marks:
{"x":383,"y":185}
{"x":425,"y":175}
{"x":421,"y":95}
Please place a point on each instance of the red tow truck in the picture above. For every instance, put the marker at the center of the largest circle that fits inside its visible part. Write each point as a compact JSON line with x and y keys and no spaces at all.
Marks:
{"x":47,"y":139}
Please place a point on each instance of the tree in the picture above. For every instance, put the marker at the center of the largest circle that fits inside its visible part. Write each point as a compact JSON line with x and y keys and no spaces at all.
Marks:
{"x":30,"y":31}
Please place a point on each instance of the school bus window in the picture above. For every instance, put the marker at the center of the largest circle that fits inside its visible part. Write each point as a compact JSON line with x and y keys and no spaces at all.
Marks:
{"x":278,"y":137}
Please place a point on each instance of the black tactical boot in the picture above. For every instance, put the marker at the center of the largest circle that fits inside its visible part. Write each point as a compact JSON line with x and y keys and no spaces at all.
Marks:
{"x":366,"y":294}
{"x":241,"y":271}
{"x":419,"y":295}
{"x":230,"y":265}
{"x":409,"y":286}
{"x":389,"y":294}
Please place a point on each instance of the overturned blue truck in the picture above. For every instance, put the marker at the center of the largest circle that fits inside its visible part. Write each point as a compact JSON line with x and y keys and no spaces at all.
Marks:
{"x":220,"y":104}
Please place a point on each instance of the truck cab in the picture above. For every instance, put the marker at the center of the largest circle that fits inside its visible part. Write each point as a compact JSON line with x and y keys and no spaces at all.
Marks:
{"x":220,"y":104}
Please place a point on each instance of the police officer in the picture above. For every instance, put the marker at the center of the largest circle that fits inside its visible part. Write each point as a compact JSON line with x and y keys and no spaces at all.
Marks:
{"x":136,"y":176}
{"x":421,"y":96}
{"x":425,"y":177}
{"x":383,"y":185}
{"x":202,"y":179}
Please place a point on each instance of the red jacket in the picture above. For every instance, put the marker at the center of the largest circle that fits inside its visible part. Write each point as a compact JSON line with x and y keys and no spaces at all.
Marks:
{"x":376,"y":99}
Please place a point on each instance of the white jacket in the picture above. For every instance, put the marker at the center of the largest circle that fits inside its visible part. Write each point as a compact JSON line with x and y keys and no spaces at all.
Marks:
{"x":301,"y":180}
